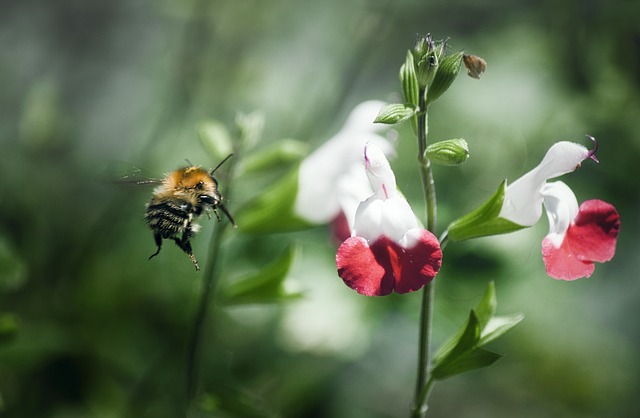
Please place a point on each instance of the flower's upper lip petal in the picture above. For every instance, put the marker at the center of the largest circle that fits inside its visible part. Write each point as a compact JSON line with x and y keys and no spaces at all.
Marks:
{"x":383,"y":181}
{"x":522,"y":200}
{"x":362,"y":116}
{"x":317,"y":200}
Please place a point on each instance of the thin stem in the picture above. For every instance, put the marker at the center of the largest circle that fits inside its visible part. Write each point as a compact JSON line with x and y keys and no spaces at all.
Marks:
{"x":424,"y":382}
{"x":209,"y":282}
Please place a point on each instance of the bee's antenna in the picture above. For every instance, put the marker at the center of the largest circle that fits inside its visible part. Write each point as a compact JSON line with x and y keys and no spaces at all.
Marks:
{"x":189,"y":162}
{"x":221,"y":162}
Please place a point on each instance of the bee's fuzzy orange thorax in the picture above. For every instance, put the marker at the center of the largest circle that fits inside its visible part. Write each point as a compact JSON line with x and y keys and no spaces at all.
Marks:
{"x":188,"y":178}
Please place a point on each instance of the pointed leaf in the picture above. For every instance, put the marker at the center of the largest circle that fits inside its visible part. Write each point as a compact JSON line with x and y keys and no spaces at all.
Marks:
{"x":468,"y":361}
{"x":8,"y":327}
{"x":487,"y":306}
{"x":484,"y":220}
{"x":215,"y":139}
{"x":276,"y":155}
{"x":264,"y":286}
{"x":395,"y":113}
{"x":250,"y":127}
{"x":273,"y":210}
{"x":498,"y":326}
{"x":466,"y":338}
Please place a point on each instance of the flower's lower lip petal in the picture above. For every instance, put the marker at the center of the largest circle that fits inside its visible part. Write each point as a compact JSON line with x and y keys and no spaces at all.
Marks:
{"x":420,"y":263}
{"x":594,"y":233}
{"x":361,"y":270}
{"x":561,"y":263}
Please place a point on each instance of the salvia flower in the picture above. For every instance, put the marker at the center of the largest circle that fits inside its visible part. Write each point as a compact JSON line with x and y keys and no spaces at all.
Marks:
{"x":388,"y":250}
{"x":578,"y":235}
{"x":331,"y":182}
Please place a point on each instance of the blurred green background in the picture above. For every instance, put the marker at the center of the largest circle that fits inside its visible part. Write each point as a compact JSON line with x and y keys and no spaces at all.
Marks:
{"x":90,"y":328}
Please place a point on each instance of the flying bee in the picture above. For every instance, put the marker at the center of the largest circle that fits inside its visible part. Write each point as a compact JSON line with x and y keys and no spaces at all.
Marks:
{"x":180,"y":198}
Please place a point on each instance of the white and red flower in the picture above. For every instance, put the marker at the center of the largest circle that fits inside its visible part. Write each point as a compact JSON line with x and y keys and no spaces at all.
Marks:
{"x":388,"y":250}
{"x":331,"y":182}
{"x":578,"y":236}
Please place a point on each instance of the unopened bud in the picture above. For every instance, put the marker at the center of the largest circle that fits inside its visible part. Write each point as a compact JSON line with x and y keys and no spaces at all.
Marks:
{"x":449,"y":152}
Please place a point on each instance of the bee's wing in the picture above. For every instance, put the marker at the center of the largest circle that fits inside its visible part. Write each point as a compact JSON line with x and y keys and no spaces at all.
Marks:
{"x":122,"y":172}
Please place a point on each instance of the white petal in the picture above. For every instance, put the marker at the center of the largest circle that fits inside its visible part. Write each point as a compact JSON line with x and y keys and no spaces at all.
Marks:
{"x":522,"y":200}
{"x":381,"y":177}
{"x":317,"y":200}
{"x":562,"y":208}
{"x":362,"y":116}
{"x":391,"y":217}
{"x":352,"y":189}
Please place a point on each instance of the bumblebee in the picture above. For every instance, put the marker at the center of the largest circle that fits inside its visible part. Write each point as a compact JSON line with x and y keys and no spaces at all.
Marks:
{"x":180,"y":198}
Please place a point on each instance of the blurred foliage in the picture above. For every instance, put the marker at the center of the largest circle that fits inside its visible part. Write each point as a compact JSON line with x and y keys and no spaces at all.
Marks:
{"x":91,"y":328}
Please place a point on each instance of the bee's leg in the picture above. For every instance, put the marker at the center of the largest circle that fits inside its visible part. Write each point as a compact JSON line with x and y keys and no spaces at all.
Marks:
{"x":215,"y":211}
{"x":185,"y":246}
{"x":158,"y":239}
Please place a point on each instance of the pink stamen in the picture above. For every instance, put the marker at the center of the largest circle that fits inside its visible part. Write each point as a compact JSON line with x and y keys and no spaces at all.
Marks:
{"x":592,"y":153}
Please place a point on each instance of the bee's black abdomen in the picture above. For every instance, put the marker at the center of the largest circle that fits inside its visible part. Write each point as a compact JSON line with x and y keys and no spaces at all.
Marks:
{"x":169,"y":217}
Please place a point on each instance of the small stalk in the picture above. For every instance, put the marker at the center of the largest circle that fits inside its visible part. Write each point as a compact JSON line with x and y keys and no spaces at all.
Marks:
{"x":424,"y":383}
{"x":209,"y":284}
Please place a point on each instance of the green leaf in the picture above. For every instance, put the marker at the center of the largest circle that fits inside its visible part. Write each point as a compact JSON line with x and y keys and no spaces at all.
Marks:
{"x":250,"y":127}
{"x":215,"y":139}
{"x":470,"y":360}
{"x":450,"y":152}
{"x":8,"y":327}
{"x":273,"y":210}
{"x":483,"y":221}
{"x":498,"y":326}
{"x":395,"y":113}
{"x":446,"y":74}
{"x":276,"y":155}
{"x":409,"y":81}
{"x":487,"y":306}
{"x":464,"y":339}
{"x":463,"y":351}
{"x":264,"y":286}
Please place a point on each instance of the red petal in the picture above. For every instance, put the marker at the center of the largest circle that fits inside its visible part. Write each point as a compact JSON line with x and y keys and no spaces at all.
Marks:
{"x":592,"y":237}
{"x":561,"y":263}
{"x":361,"y":270}
{"x":420,"y":264}
{"x":339,"y":228}
{"x":594,"y":233}
{"x":385,"y":266}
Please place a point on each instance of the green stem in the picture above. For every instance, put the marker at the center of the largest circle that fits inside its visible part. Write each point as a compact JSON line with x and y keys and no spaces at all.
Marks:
{"x":424,"y":382}
{"x":209,"y":282}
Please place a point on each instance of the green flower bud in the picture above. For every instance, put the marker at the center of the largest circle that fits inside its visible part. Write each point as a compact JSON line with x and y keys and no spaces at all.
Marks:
{"x":446,"y":74}
{"x":449,"y":152}
{"x":426,"y":56}
{"x":409,"y":80}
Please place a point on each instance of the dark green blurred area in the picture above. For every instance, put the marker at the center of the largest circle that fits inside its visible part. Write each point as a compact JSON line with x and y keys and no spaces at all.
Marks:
{"x":89,"y":328}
